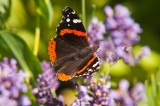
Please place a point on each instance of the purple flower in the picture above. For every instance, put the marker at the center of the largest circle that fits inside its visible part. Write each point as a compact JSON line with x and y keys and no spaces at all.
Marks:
{"x":125,"y":97}
{"x":107,"y":51}
{"x":25,"y":101}
{"x":48,"y":83}
{"x":121,"y":27}
{"x":126,"y":54}
{"x":96,"y":30}
{"x":123,"y":32}
{"x":145,"y":51}
{"x":49,"y":75}
{"x":12,"y":84}
{"x":94,"y":94}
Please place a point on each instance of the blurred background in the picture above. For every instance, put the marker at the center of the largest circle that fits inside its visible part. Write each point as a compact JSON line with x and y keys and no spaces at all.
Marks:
{"x":29,"y":17}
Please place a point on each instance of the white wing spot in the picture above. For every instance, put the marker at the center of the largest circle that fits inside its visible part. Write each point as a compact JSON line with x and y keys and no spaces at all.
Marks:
{"x":94,"y":65}
{"x":68,"y":24}
{"x":73,"y":12}
{"x":86,"y":74}
{"x":67,"y":15}
{"x":90,"y":70}
{"x":54,"y":37}
{"x":67,"y":19}
{"x":97,"y":68}
{"x":76,"y":21}
{"x":61,"y":21}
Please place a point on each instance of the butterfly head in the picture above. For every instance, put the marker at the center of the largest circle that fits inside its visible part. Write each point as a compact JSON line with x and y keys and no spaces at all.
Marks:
{"x":94,"y":48}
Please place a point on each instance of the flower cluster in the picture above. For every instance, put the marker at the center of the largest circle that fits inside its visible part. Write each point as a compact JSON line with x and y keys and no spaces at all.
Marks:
{"x":125,"y":97}
{"x":48,"y":83}
{"x":122,"y":32}
{"x":94,"y":94}
{"x":121,"y":27}
{"x":96,"y":30}
{"x":12,"y":84}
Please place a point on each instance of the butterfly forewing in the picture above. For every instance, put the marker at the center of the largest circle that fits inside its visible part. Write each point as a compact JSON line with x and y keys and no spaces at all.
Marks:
{"x":70,"y":21}
{"x":72,"y":25}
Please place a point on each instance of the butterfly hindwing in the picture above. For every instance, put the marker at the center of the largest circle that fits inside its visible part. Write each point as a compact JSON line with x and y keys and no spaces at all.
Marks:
{"x":89,"y":67}
{"x":82,"y":67}
{"x":68,"y":70}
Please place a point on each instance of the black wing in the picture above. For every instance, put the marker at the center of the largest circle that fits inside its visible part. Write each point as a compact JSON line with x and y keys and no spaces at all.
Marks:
{"x":81,"y":67}
{"x":70,"y":20}
{"x":88,"y":67}
{"x":71,"y":28}
{"x":68,"y":70}
{"x":71,"y":36}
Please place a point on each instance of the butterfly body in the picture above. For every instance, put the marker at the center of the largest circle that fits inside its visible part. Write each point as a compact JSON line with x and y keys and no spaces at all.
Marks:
{"x":70,"y":50}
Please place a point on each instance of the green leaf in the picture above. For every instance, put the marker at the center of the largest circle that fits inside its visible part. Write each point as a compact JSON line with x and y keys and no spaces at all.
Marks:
{"x":44,"y":9}
{"x":12,"y":45}
{"x":5,"y":7}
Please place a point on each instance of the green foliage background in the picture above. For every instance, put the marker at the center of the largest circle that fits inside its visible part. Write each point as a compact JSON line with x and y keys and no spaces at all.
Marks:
{"x":26,"y":26}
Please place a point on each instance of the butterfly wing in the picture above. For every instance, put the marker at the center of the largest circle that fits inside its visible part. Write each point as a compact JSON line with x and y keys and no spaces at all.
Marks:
{"x":60,"y":50}
{"x":71,"y":22}
{"x":68,"y":70}
{"x":72,"y":28}
{"x":71,"y":36}
{"x":76,"y":68}
{"x":88,"y":67}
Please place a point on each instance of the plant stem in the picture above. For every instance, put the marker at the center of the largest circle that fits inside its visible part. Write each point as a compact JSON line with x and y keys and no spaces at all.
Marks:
{"x":37,"y":36}
{"x":108,"y":70}
{"x":154,"y":89}
{"x":93,"y":10}
{"x":134,"y":79}
{"x":83,"y":13}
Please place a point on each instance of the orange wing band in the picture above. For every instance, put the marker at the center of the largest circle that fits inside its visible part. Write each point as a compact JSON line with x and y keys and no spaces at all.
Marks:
{"x":64,"y":77}
{"x":51,"y":50}
{"x":75,"y":32}
{"x":83,"y":69}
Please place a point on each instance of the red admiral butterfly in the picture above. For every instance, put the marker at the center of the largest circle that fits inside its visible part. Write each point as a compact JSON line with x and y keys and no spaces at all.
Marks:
{"x":70,"y":50}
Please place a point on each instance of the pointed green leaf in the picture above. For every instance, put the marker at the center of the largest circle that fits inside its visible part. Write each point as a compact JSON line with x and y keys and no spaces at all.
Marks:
{"x":13,"y":45}
{"x":44,"y":9}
